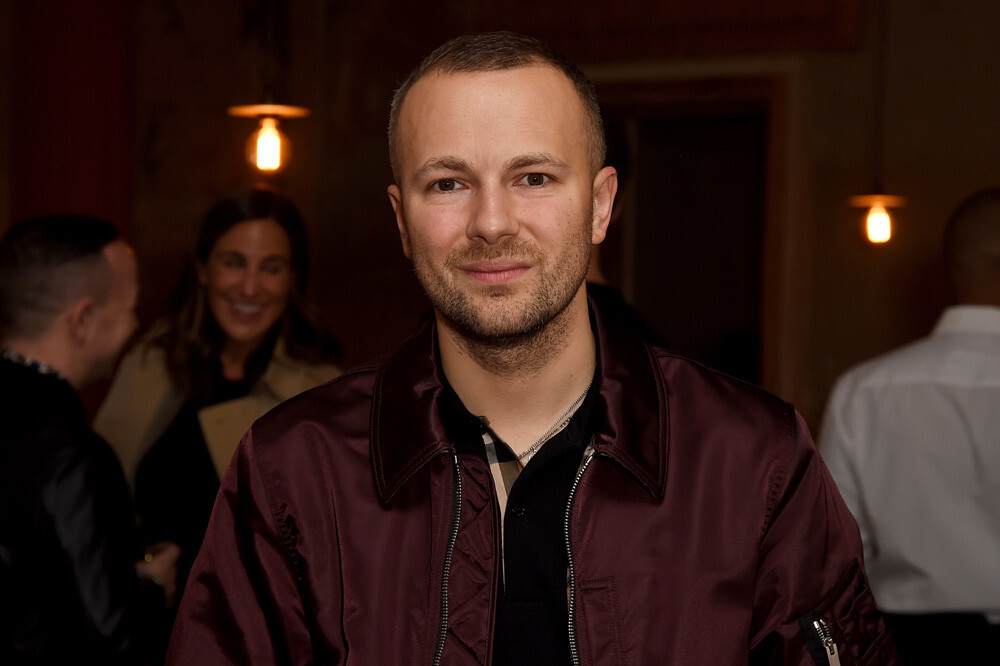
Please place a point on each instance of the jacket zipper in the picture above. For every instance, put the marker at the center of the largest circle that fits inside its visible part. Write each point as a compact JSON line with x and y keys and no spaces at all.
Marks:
{"x":826,"y":638}
{"x":452,"y":538}
{"x":574,"y":649}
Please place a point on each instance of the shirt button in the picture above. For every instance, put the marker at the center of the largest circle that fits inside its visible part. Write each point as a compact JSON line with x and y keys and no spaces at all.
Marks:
{"x":517,"y":510}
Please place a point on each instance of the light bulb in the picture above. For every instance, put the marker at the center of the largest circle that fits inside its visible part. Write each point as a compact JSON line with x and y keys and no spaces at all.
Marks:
{"x":267,"y":148}
{"x":878,"y":225}
{"x":268,"y":145}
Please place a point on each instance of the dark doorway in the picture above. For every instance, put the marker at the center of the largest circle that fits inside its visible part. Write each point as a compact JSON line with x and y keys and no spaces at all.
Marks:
{"x":695,"y":234}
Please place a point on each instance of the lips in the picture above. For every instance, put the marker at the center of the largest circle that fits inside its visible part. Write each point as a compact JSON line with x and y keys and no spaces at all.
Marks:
{"x":247,"y":310}
{"x":496,"y":271}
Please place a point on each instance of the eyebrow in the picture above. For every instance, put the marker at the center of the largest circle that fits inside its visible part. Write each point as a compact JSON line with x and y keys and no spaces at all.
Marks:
{"x":444,"y":163}
{"x":520,"y":162}
{"x":230,"y":254}
{"x":535,"y":160}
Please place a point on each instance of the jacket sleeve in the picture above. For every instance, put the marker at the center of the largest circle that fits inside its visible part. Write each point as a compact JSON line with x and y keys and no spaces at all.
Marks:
{"x":87,"y":502}
{"x":812,"y":603}
{"x":243,"y":603}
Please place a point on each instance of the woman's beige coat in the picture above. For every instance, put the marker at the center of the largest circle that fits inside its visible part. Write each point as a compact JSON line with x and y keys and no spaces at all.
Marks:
{"x":143,"y":401}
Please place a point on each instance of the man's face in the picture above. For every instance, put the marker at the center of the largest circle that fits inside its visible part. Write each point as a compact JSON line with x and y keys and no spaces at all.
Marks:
{"x":496,"y":204}
{"x":114,"y":319}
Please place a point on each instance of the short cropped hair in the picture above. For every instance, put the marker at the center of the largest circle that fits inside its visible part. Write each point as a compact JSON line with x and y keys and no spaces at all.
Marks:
{"x":45,"y":264}
{"x":497,"y":51}
{"x":972,"y":236}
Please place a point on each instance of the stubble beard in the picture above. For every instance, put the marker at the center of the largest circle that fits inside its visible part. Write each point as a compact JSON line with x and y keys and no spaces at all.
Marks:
{"x":504,"y":332}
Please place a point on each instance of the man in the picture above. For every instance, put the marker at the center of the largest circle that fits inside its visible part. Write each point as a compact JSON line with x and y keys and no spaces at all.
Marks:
{"x":69,"y":590}
{"x":913,"y":440}
{"x":523,"y":481}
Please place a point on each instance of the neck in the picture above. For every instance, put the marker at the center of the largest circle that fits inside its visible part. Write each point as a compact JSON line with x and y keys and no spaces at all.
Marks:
{"x":522,"y":388}
{"x":233,"y":357}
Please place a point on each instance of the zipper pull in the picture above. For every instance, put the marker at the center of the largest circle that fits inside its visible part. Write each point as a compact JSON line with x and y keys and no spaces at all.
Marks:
{"x":826,"y":638}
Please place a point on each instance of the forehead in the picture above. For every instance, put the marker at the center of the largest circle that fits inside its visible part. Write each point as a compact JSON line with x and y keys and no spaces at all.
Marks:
{"x":494,"y":114}
{"x":263,"y":236}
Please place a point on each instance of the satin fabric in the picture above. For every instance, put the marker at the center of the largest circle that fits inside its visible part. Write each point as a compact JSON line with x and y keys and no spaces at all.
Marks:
{"x":705,"y":531}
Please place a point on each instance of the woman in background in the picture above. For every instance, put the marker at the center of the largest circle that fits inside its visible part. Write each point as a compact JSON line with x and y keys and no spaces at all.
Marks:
{"x":238,"y":342}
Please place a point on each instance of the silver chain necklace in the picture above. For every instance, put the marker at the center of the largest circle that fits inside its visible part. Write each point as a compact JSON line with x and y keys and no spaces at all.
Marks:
{"x":557,"y":426}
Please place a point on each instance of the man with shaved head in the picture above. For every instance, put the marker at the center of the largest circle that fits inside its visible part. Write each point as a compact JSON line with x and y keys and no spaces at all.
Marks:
{"x":913,"y":439}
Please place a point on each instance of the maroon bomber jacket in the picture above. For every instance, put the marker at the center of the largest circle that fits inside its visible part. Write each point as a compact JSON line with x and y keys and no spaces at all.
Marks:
{"x":704,"y":530}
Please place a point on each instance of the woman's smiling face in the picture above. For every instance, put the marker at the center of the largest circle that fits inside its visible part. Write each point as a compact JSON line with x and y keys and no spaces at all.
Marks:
{"x":247,"y":279}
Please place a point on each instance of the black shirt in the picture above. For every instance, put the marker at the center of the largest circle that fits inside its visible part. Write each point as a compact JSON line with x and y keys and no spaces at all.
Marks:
{"x":532,"y":610}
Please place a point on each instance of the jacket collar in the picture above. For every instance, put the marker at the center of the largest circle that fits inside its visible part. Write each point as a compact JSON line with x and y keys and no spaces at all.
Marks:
{"x":631,"y":415}
{"x":634,"y":417}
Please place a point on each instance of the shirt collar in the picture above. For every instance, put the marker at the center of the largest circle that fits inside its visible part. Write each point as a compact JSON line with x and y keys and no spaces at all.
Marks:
{"x":969,"y":319}
{"x":28,"y":362}
{"x":465,"y":429}
{"x":630,"y":409}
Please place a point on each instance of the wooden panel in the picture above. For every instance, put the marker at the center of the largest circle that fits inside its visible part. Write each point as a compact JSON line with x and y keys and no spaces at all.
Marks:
{"x":71,"y":148}
{"x":593,"y":29}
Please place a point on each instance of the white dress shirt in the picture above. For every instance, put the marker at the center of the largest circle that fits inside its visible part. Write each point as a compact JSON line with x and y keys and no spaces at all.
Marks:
{"x":912,"y":439}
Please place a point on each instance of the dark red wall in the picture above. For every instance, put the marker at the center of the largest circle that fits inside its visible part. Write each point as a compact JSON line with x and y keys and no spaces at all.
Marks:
{"x":71,"y":146}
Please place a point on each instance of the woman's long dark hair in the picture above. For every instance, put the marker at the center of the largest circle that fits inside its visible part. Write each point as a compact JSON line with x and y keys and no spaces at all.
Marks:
{"x":193,"y":339}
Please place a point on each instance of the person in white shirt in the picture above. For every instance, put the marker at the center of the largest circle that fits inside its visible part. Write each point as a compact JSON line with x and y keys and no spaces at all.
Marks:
{"x":913,"y":441}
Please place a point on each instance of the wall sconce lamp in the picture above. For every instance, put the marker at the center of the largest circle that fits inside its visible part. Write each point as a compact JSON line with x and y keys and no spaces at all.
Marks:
{"x":268,"y":149}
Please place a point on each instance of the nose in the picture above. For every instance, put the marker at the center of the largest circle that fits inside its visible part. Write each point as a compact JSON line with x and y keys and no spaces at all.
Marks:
{"x":493,"y":216}
{"x":250,"y":282}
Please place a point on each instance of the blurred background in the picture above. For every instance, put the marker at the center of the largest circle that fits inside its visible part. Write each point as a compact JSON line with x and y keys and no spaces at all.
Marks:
{"x":749,"y":127}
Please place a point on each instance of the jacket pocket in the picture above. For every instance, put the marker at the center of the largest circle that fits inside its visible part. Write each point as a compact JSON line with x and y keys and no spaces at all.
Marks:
{"x":846,"y":629}
{"x":598,"y":625}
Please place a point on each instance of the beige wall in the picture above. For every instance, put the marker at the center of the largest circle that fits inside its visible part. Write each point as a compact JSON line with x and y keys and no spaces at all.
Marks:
{"x":942,"y":142}
{"x":841,"y":300}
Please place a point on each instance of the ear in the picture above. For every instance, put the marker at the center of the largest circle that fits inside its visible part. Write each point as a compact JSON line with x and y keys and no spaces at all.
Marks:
{"x":396,"y":199}
{"x":80,"y":317}
{"x":605,"y":188}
